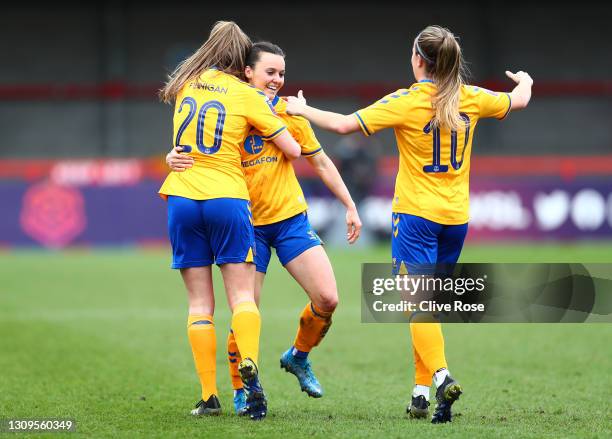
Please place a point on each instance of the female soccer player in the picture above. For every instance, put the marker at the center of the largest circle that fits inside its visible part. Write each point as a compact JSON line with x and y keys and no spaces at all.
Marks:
{"x":434,"y":121}
{"x":279,"y":215}
{"x":209,"y":218}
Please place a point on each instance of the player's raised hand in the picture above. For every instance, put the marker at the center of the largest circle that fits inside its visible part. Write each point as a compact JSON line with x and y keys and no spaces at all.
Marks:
{"x":295,"y":105}
{"x":301,"y":97}
{"x":521,"y":94}
{"x":353,"y":225}
{"x":178,"y":162}
{"x":519,"y":76}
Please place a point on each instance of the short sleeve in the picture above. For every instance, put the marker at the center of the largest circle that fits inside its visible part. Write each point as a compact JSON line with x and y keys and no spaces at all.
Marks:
{"x":493,"y":104}
{"x":302,"y":132}
{"x":261,"y":115}
{"x":388,"y":112}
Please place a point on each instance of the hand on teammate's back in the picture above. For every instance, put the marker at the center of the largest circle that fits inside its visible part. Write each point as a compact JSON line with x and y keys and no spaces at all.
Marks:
{"x":178,"y":162}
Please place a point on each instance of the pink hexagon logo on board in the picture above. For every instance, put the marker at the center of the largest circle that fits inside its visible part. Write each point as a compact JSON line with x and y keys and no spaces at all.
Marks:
{"x":53,"y":215}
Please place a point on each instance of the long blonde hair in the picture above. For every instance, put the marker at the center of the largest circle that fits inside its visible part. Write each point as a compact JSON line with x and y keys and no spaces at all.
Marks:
{"x":225,"y":49}
{"x":444,"y":62}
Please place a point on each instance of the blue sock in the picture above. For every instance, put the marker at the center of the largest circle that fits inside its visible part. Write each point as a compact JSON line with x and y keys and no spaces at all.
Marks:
{"x":299,"y":354}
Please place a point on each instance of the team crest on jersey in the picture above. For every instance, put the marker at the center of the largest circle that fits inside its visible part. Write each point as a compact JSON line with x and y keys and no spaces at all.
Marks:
{"x":253,"y":144}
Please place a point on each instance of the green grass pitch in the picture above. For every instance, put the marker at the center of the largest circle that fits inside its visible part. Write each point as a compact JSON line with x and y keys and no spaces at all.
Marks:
{"x":100,"y":337}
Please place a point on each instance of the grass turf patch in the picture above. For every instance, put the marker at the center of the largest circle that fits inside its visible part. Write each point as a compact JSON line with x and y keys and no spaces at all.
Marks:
{"x":100,"y":337}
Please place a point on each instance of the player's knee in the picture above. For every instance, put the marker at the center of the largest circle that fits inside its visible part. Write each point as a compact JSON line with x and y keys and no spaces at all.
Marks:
{"x":328,"y":302}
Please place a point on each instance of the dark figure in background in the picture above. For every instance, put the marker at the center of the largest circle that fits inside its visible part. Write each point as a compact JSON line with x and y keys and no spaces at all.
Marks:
{"x":355,"y":158}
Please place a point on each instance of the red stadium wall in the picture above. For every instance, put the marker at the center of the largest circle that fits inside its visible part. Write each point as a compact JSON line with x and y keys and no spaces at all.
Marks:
{"x":120,"y":90}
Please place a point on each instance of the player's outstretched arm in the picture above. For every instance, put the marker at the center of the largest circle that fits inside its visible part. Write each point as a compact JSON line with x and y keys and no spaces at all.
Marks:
{"x":287,"y":144}
{"x":328,"y":120}
{"x":328,"y":173}
{"x":522,"y":92}
{"x":178,"y":162}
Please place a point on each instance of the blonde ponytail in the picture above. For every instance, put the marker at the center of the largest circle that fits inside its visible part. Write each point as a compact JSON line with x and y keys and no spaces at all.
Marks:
{"x":225,"y":49}
{"x":447,"y":68}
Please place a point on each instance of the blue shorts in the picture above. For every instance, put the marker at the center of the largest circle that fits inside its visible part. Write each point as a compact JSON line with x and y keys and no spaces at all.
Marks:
{"x":415,"y":240}
{"x":205,"y":232}
{"x":290,"y":238}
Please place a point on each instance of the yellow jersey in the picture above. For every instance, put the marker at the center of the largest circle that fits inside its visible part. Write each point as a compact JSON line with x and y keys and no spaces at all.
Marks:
{"x":212,"y":117}
{"x":434,"y":164}
{"x":273,"y":187}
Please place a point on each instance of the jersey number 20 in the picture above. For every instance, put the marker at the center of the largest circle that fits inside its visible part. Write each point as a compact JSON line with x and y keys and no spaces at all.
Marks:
{"x":200,"y":125}
{"x":436,"y":167}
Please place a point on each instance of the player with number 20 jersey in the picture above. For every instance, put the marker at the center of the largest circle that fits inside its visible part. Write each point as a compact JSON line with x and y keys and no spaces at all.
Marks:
{"x":211,"y":120}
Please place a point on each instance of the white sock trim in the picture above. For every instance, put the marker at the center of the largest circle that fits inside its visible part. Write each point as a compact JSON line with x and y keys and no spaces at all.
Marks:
{"x":440,"y":376}
{"x":420,"y":390}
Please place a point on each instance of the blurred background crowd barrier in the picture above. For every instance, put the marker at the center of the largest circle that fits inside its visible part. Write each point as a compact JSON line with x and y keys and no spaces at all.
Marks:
{"x":103,"y":202}
{"x":84,"y":137}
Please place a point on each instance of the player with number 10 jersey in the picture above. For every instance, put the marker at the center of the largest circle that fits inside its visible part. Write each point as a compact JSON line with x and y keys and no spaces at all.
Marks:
{"x":434,"y":122}
{"x":434,"y":165}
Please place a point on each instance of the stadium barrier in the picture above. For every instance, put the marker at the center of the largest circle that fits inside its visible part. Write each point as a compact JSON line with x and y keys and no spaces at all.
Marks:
{"x":59,"y":203}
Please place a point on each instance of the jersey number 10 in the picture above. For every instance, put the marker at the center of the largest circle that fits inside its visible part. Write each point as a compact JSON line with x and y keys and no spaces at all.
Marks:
{"x":200,"y":125}
{"x":436,"y":167}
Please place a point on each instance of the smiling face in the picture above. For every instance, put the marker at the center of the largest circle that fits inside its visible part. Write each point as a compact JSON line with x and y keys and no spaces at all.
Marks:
{"x":268,"y":73}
